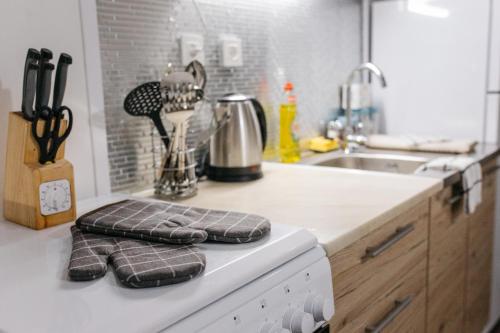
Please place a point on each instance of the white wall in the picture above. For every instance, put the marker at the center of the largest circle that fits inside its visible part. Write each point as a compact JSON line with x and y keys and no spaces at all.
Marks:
{"x":434,"y":58}
{"x":55,"y":24}
{"x":494,"y":75}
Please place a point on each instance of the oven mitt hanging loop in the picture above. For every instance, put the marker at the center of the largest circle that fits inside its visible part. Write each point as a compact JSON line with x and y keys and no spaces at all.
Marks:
{"x":138,"y":264}
{"x":176,"y":224}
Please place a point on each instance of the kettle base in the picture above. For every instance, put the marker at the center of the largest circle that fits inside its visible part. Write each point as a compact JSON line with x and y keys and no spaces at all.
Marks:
{"x":241,"y":174}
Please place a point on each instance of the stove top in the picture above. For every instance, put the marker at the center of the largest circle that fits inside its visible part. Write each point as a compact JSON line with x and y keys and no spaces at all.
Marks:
{"x":36,"y":281}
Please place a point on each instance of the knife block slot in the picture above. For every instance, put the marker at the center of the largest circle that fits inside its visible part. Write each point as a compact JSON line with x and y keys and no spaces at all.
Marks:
{"x":24,"y":174}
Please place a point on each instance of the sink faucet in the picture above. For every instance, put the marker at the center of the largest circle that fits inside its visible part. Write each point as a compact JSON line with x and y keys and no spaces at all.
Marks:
{"x":348,"y":136}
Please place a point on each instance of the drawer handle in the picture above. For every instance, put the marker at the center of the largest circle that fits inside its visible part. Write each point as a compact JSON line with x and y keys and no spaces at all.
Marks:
{"x":401,"y":232}
{"x":454,"y":199}
{"x":399,"y":306}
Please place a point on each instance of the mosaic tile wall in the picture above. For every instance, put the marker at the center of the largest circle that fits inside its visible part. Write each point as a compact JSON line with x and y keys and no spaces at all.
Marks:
{"x":312,"y":43}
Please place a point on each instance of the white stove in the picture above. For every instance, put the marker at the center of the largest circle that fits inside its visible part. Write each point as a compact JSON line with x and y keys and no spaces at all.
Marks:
{"x":279,"y":284}
{"x":294,"y":297}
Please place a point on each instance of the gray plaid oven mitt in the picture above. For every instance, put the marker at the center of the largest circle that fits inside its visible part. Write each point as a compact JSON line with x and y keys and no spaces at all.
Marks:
{"x":138,"y":264}
{"x":169,"y":223}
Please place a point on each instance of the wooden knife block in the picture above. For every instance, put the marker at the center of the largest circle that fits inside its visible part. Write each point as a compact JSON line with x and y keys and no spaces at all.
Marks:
{"x":24,"y":174}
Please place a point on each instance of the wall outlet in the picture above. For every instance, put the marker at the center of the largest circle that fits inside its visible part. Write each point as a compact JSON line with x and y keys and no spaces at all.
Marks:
{"x":192,"y":48}
{"x":231,"y":51}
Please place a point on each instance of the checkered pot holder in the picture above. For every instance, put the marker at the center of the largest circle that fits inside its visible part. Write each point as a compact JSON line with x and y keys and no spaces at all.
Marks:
{"x":170,"y":223}
{"x":138,"y":264}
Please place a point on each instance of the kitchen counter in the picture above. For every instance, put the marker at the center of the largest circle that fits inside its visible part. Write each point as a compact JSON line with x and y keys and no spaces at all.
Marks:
{"x":339,"y":206}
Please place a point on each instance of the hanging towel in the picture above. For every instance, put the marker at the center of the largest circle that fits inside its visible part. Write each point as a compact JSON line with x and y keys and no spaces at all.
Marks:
{"x":137,"y":264}
{"x":166,"y":222}
{"x":471,"y":177}
{"x":417,"y":143}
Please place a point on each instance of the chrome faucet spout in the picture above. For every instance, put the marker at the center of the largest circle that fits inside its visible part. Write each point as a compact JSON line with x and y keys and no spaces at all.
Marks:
{"x":348,"y":136}
{"x":369,"y":67}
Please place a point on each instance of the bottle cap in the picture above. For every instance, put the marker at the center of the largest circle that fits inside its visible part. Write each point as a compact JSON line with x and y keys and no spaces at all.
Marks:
{"x":288,"y":86}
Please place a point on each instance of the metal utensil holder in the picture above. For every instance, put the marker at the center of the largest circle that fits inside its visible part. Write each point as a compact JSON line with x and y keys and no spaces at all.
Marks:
{"x":177,"y":180}
{"x":176,"y":174}
{"x":168,"y":187}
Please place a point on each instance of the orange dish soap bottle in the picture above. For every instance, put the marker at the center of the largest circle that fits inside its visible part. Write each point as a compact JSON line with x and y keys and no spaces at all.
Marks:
{"x":289,"y":141}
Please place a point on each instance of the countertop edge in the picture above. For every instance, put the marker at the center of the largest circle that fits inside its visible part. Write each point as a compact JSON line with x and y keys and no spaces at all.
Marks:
{"x":455,"y":176}
{"x":332,"y":247}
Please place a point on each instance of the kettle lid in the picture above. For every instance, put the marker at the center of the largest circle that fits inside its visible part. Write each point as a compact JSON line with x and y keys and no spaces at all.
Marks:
{"x":234,"y":98}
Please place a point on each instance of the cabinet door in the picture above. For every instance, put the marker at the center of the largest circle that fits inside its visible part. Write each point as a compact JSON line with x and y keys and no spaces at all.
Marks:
{"x":399,"y":308}
{"x":374,"y":274}
{"x":479,"y":255}
{"x":447,"y":255}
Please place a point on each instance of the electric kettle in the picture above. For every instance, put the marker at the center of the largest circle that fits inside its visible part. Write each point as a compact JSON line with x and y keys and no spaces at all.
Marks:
{"x":236,"y":148}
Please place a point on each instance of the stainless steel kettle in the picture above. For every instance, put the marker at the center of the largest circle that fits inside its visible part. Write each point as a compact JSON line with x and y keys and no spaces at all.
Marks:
{"x":236,"y":148}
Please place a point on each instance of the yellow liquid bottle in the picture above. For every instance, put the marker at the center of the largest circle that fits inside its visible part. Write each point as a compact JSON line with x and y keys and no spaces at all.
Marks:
{"x":289,"y":141}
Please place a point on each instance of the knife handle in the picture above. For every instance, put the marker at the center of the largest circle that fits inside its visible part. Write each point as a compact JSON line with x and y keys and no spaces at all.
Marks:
{"x":46,"y":82}
{"x":42,"y":92}
{"x":60,"y":80}
{"x":29,"y":88}
{"x":29,"y":82}
{"x":32,"y":57}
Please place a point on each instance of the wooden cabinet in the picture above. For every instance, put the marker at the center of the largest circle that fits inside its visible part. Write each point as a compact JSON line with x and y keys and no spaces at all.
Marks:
{"x":447,"y":258}
{"x":380,"y":279}
{"x":460,"y":259}
{"x":480,"y":227}
{"x":427,"y":270}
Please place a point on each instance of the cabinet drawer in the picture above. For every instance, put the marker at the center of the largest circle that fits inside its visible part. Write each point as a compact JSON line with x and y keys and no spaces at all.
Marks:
{"x":375,"y":265}
{"x":447,"y":257}
{"x":398,"y":308}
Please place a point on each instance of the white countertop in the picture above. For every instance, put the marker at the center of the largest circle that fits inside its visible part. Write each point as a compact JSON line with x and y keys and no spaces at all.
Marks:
{"x":339,"y":206}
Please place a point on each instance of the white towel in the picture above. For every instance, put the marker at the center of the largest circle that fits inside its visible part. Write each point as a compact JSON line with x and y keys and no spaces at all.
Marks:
{"x":471,"y":177}
{"x":418,"y":143}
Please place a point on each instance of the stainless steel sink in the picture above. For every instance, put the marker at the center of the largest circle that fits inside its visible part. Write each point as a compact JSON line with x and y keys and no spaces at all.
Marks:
{"x":376,"y":162}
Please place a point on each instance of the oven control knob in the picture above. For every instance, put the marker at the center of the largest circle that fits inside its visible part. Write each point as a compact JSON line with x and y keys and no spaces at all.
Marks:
{"x":320,"y":307}
{"x":298,"y":321}
{"x":273,"y":328}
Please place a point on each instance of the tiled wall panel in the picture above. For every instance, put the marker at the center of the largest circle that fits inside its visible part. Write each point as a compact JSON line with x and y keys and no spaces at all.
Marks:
{"x":313,"y":43}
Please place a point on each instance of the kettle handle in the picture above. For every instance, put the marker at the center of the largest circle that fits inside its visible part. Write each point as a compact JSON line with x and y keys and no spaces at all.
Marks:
{"x":261,"y":117}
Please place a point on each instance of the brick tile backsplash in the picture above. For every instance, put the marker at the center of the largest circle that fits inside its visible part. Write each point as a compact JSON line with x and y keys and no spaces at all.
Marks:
{"x":312,"y":43}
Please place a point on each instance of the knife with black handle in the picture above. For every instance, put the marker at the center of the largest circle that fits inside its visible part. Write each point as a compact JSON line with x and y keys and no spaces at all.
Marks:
{"x":29,"y":83}
{"x":59,"y":87}
{"x":44,"y":80}
{"x":60,"y":80}
{"x":44,"y":85}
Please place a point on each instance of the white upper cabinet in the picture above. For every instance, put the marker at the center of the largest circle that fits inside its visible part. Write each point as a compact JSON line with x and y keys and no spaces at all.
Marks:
{"x":494,"y":76}
{"x":433,"y":54}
